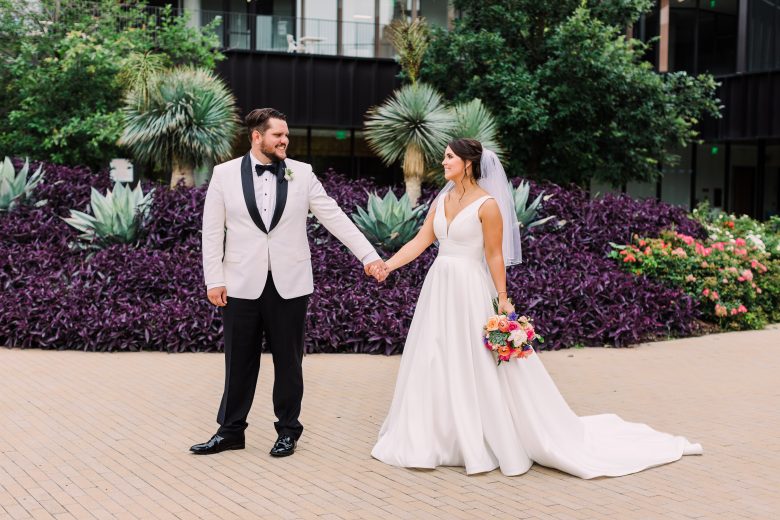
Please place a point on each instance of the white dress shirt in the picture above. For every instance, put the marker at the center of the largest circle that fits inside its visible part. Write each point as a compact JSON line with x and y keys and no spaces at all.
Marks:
{"x":265,"y":192}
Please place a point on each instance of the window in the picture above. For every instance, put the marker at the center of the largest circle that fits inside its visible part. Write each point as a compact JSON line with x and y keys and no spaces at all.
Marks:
{"x":763,"y":35}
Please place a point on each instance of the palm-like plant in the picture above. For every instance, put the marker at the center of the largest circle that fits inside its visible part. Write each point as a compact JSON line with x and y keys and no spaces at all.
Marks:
{"x":138,"y":72}
{"x":472,"y":120}
{"x":188,"y":118}
{"x":414,"y":124}
{"x":475,"y":121}
{"x":410,"y":39}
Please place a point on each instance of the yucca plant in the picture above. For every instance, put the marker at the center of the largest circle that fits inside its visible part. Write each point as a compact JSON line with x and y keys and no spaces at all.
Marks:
{"x":410,"y":39}
{"x":526,"y":213}
{"x":139,"y":72}
{"x":17,"y":187}
{"x":184,"y":117}
{"x":118,"y":216}
{"x":472,"y":120}
{"x":414,"y":124}
{"x":390,"y":222}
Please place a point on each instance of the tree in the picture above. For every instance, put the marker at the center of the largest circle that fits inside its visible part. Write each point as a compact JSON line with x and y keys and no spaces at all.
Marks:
{"x":179,"y":119}
{"x":60,"y":88}
{"x":573,"y":97}
{"x":414,"y":124}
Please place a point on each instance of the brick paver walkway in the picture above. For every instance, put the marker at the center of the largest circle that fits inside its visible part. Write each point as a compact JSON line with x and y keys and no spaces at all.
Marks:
{"x":91,"y":435}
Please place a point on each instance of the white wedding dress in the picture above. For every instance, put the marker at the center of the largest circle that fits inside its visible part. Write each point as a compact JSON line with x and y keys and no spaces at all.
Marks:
{"x":453,"y":406}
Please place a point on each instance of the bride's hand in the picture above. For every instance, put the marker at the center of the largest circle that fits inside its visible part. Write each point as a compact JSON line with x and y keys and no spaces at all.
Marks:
{"x":504,"y":307}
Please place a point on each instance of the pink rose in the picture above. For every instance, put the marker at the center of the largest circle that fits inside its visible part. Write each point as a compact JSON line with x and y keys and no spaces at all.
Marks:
{"x":503,"y":324}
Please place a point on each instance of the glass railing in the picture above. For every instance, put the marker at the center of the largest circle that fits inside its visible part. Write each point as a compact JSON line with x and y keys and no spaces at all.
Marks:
{"x":240,"y":31}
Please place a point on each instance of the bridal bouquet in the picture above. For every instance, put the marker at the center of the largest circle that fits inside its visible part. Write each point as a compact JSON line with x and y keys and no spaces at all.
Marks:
{"x":509,"y":335}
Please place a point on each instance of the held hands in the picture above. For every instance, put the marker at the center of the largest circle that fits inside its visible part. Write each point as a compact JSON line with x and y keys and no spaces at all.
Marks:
{"x":217,"y":296}
{"x":378,"y":269}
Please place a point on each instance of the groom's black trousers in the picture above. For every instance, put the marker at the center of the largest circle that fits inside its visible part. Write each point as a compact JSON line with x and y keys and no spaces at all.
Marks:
{"x":245,"y":322}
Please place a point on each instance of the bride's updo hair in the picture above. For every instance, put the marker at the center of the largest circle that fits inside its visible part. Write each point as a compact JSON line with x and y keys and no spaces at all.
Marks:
{"x":469,"y":150}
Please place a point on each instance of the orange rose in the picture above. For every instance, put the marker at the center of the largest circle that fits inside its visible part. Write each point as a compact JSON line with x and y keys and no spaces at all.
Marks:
{"x":504,"y":350}
{"x":492,"y":323}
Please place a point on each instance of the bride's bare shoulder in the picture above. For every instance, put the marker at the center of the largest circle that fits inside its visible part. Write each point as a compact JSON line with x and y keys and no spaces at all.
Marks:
{"x":489,"y":207}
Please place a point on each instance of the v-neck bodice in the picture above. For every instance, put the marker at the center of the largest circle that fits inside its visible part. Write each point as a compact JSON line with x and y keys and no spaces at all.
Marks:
{"x":462,"y":236}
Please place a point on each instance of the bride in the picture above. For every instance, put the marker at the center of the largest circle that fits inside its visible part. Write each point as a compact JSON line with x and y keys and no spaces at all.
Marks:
{"x":452,"y":405}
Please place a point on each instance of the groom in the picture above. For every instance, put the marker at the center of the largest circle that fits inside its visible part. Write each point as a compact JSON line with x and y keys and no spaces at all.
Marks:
{"x":257,"y":268}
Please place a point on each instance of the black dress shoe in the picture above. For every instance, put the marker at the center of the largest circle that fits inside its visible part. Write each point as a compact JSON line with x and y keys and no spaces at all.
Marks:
{"x":284,"y":446}
{"x":216,"y":444}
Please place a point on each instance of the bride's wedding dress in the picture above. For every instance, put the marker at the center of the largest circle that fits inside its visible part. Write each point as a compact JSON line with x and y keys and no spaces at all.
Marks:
{"x":453,"y":406}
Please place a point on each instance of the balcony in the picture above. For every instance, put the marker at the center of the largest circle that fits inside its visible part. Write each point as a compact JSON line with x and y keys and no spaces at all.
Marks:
{"x":285,"y":34}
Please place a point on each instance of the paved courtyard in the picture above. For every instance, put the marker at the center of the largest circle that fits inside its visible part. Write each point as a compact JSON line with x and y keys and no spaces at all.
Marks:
{"x":93,"y":435}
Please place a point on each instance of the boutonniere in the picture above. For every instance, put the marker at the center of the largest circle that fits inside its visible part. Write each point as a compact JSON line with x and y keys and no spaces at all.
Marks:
{"x":288,"y":174}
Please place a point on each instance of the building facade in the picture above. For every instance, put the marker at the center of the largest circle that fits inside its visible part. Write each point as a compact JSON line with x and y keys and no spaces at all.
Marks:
{"x":737,"y":166}
{"x":326,"y":62}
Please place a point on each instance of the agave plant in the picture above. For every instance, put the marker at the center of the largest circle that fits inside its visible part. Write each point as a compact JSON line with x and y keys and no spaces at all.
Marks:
{"x":16,"y":187}
{"x":389,"y":222}
{"x":414,"y":124}
{"x":118,"y":217}
{"x":182,"y":118}
{"x":526,"y":213}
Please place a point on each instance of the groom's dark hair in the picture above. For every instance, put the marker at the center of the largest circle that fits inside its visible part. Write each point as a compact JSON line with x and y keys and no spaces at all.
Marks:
{"x":258,"y":118}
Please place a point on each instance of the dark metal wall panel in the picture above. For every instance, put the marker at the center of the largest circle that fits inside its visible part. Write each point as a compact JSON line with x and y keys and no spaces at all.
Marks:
{"x":752,"y":108}
{"x":316,"y":91}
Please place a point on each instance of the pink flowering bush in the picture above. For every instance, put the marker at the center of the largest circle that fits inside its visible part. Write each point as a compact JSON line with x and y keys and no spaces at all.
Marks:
{"x":736,"y":282}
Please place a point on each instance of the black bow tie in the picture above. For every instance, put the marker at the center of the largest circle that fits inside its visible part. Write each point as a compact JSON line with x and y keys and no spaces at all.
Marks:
{"x":261,"y":168}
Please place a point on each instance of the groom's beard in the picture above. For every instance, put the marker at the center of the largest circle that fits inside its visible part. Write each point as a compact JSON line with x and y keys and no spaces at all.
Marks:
{"x":274,"y":153}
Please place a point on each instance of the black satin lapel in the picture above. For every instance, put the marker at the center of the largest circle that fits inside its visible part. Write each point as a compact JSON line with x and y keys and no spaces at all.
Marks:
{"x":281,"y":197}
{"x":248,"y":187}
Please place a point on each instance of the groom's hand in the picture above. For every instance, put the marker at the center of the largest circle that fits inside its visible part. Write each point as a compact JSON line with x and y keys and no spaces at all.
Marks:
{"x":217,"y":296}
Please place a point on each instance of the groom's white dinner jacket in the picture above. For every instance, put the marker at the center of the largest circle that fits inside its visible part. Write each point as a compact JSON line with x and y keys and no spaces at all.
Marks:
{"x":237,"y":247}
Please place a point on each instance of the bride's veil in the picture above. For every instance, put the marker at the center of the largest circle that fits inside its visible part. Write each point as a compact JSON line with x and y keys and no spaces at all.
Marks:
{"x":495,"y":182}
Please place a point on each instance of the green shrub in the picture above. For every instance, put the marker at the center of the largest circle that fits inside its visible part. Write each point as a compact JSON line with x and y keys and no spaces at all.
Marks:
{"x":60,"y":86}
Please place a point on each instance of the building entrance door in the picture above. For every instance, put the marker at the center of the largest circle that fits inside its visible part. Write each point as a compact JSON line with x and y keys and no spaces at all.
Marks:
{"x":744,"y":184}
